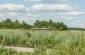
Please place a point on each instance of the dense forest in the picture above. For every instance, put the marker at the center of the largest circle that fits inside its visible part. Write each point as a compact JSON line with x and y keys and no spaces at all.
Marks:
{"x":9,"y":24}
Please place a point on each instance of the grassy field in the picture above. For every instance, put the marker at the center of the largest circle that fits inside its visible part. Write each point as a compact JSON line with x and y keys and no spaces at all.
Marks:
{"x":60,"y":42}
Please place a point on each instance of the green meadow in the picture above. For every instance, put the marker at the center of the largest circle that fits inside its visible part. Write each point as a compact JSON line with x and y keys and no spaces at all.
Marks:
{"x":60,"y":42}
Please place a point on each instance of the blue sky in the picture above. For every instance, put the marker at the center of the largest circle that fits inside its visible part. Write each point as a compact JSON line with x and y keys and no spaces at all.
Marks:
{"x":71,"y":12}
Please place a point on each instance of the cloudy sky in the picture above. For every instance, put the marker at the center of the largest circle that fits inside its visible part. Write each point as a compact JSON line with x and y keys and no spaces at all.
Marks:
{"x":71,"y":12}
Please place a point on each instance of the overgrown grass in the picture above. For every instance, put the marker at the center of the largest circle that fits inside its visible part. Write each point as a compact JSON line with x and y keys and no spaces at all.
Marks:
{"x":60,"y":42}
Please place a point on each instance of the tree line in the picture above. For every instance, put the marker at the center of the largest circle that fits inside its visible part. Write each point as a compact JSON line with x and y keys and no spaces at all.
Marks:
{"x":76,"y":28}
{"x":50,"y":24}
{"x":9,"y":24}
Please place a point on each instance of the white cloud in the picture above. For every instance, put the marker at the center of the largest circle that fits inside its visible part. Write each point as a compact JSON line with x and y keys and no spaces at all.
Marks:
{"x":68,"y":17}
{"x":52,"y":7}
{"x":12,"y":8}
{"x":32,"y":15}
{"x":71,"y":17}
{"x":77,"y":21}
{"x":72,"y":13}
{"x":12,"y":13}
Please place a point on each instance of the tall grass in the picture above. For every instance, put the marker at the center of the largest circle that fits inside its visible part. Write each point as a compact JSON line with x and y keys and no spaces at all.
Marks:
{"x":60,"y":42}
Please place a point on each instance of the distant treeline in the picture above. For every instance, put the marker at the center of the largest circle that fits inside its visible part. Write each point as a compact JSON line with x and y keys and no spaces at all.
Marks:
{"x":75,"y":28}
{"x":50,"y":25}
{"x":9,"y":24}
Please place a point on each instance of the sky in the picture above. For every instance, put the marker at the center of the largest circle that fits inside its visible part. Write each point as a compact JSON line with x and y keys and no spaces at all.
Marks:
{"x":71,"y":12}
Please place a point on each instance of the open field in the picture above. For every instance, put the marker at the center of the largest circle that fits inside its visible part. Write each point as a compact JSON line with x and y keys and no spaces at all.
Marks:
{"x":60,"y":42}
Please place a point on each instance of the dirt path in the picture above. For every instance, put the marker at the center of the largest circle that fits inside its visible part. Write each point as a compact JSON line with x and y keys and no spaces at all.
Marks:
{"x":23,"y":49}
{"x":20,"y":49}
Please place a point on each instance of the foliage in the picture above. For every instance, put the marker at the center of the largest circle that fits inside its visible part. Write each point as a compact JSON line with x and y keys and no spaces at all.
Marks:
{"x":8,"y":24}
{"x":50,"y":24}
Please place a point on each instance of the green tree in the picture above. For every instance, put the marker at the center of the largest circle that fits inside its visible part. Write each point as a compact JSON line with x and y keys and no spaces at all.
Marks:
{"x":7,"y":23}
{"x":24,"y":25}
{"x":16,"y":24}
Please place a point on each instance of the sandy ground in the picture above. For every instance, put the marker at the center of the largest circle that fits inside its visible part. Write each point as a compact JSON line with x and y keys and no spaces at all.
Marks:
{"x":20,"y":49}
{"x":23,"y":49}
